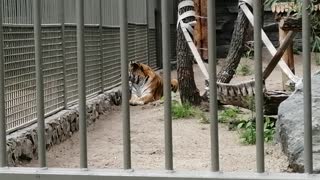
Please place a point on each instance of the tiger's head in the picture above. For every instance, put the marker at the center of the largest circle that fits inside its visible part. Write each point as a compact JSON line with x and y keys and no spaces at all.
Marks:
{"x":137,"y":72}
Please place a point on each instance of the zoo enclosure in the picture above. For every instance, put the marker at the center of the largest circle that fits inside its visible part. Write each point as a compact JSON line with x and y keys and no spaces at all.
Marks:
{"x":59,"y":53}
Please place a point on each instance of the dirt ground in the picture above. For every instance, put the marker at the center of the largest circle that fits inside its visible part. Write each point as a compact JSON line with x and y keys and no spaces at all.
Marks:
{"x":191,"y":139}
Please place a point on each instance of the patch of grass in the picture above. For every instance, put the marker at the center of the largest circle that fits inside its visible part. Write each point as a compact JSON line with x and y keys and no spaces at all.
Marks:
{"x":228,"y":114}
{"x":244,"y":70}
{"x":180,"y":111}
{"x":247,"y":131}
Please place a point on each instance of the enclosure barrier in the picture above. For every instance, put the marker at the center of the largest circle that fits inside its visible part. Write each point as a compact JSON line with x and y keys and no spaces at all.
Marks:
{"x":59,"y":51}
{"x":169,"y":173}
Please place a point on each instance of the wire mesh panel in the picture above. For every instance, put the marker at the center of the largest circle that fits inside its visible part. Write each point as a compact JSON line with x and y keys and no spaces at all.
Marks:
{"x":19,"y":76}
{"x":111,"y":56}
{"x":71,"y":63}
{"x":173,"y":43}
{"x":152,"y":48}
{"x":138,"y":44}
{"x":131,"y":42}
{"x":92,"y":58}
{"x":52,"y":68}
{"x":141,"y":44}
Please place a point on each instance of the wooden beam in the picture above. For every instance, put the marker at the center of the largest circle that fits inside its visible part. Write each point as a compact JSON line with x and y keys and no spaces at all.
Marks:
{"x":277,"y":57}
{"x":287,"y":57}
{"x":284,"y":67}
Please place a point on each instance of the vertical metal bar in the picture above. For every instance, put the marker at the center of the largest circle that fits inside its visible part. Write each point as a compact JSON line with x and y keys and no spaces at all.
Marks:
{"x":148,"y":43}
{"x":213,"y":85}
{"x":258,"y":84}
{"x":101,"y":45}
{"x":125,"y":85}
{"x":39,"y":78}
{"x":308,"y":161}
{"x":81,"y":84}
{"x":3,"y":144}
{"x":62,"y":21}
{"x":166,"y":83}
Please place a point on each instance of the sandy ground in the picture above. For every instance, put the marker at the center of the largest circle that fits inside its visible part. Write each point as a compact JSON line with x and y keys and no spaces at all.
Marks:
{"x":191,"y":140}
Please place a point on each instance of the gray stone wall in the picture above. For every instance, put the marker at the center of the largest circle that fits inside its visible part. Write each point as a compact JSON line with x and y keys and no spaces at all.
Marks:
{"x":22,"y":144}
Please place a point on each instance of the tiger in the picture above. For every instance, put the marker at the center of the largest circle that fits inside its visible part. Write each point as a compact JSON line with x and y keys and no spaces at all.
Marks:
{"x":145,"y":84}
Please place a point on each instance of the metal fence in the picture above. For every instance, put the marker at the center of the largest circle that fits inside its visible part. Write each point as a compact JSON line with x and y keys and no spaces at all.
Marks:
{"x":59,"y":52}
{"x":125,"y":53}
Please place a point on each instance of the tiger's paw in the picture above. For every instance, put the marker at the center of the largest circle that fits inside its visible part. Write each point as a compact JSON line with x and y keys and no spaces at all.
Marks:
{"x":140,"y":102}
{"x":135,"y":103}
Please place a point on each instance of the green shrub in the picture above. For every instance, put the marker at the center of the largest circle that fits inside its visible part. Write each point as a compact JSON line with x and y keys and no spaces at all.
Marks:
{"x":228,"y":114}
{"x":244,"y":70}
{"x":247,"y":131}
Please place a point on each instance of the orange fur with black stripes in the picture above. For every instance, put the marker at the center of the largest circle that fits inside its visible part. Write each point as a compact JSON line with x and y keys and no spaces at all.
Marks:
{"x":146,"y":85}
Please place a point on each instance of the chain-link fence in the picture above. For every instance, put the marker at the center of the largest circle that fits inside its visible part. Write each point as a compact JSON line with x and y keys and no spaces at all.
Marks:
{"x":59,"y":52}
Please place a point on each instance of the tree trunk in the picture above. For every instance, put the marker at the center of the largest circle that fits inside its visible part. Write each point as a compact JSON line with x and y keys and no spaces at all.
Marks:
{"x":187,"y":86}
{"x":236,"y":49}
{"x":239,"y":36}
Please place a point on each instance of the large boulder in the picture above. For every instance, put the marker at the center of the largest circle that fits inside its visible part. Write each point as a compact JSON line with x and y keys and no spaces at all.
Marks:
{"x":290,"y":126}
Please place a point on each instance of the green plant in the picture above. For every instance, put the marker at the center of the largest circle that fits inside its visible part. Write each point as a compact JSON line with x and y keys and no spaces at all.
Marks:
{"x":228,"y":114}
{"x":244,"y":70}
{"x":247,"y":130}
{"x":269,"y":129}
{"x":187,"y":111}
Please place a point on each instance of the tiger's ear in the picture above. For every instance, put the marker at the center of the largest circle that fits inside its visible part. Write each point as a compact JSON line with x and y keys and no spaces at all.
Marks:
{"x":141,"y":67}
{"x":135,"y":65}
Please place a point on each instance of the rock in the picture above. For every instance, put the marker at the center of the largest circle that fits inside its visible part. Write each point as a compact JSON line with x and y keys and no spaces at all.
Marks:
{"x":290,"y":126}
{"x":73,"y":127}
{"x":48,"y":134}
{"x":27,"y":149}
{"x":66,"y":127}
{"x":55,"y":136}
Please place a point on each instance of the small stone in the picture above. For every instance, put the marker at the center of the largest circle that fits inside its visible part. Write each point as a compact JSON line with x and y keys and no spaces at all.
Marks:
{"x":73,"y":126}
